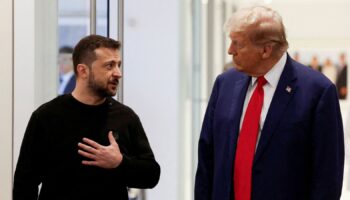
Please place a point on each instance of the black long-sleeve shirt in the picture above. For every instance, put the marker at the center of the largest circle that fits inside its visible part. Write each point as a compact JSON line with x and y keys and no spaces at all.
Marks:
{"x":49,"y":153}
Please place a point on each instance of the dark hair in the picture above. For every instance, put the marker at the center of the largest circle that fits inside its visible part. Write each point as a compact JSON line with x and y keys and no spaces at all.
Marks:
{"x":65,"y":49}
{"x":84,"y":51}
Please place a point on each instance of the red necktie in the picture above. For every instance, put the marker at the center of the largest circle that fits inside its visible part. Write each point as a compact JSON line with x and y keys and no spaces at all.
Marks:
{"x":246,"y":144}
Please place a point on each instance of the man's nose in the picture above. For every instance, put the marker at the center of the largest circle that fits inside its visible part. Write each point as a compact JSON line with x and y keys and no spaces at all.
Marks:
{"x":229,"y":51}
{"x":232,"y":50}
{"x":117,"y":72}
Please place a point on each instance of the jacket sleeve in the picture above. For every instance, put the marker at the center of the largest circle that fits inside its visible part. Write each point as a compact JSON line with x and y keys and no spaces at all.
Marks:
{"x":204,"y":174}
{"x":139,"y":170}
{"x":327,"y":148}
{"x":28,"y":174}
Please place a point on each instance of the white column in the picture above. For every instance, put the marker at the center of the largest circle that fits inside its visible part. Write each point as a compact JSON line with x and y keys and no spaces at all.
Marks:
{"x":35,"y":61}
{"x":6,"y":100}
{"x":24,"y":82}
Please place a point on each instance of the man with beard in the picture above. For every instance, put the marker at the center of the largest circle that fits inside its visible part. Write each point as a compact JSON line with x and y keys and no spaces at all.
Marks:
{"x":85,"y":145}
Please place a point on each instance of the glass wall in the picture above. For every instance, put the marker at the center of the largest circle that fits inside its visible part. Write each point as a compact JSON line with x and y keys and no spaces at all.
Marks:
{"x":74,"y":20}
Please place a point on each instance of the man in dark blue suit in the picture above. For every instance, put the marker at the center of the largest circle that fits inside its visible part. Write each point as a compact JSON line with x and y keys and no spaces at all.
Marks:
{"x":273,"y":127}
{"x":67,"y":77}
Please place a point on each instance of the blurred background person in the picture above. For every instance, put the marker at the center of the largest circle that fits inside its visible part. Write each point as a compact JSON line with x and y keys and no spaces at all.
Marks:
{"x":329,"y":70}
{"x":342,"y":77}
{"x":65,"y":64}
{"x":314,"y":64}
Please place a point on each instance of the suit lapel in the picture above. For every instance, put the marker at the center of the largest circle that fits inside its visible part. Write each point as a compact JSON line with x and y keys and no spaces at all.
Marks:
{"x":240,"y":90}
{"x":284,"y":92}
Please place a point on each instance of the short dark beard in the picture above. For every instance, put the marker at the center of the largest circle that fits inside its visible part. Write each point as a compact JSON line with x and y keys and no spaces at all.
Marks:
{"x":96,"y":89}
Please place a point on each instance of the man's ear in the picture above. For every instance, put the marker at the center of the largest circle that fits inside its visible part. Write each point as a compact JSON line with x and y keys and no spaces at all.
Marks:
{"x":82,"y":71}
{"x":266,"y":51}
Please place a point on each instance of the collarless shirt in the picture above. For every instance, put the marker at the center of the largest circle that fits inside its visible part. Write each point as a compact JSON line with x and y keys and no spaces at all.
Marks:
{"x":272,"y":78}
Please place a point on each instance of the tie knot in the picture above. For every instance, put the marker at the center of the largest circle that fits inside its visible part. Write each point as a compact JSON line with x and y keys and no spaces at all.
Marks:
{"x":261,"y":81}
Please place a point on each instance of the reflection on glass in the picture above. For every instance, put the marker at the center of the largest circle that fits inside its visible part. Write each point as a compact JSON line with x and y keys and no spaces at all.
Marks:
{"x":73,"y":24}
{"x":66,"y":70}
{"x":73,"y":21}
{"x":102,"y":17}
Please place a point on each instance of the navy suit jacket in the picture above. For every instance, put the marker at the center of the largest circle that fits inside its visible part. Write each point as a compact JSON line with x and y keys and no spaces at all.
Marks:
{"x":300,"y":154}
{"x":70,"y":85}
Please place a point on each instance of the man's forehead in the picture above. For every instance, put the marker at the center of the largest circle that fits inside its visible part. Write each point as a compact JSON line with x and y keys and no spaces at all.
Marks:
{"x":237,"y":35}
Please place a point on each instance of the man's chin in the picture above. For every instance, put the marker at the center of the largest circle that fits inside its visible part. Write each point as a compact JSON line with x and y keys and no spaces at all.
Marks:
{"x":112,"y":93}
{"x":107,"y":93}
{"x":112,"y":90}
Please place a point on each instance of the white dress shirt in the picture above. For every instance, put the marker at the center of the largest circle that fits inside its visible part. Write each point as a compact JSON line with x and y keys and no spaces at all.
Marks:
{"x":272,"y":77}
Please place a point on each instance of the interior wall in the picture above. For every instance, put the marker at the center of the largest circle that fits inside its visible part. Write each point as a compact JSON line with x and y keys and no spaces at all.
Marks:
{"x":323,"y":23}
{"x":6,"y":100}
{"x":151,"y":83}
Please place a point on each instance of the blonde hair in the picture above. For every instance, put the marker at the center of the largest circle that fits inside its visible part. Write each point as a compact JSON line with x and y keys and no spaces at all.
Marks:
{"x":263,"y":26}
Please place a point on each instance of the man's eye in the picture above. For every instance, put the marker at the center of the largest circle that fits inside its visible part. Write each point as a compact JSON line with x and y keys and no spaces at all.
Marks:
{"x":240,"y":45}
{"x":109,"y":66}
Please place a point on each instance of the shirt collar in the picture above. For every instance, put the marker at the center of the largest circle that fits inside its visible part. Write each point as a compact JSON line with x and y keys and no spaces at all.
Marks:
{"x":275,"y":72}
